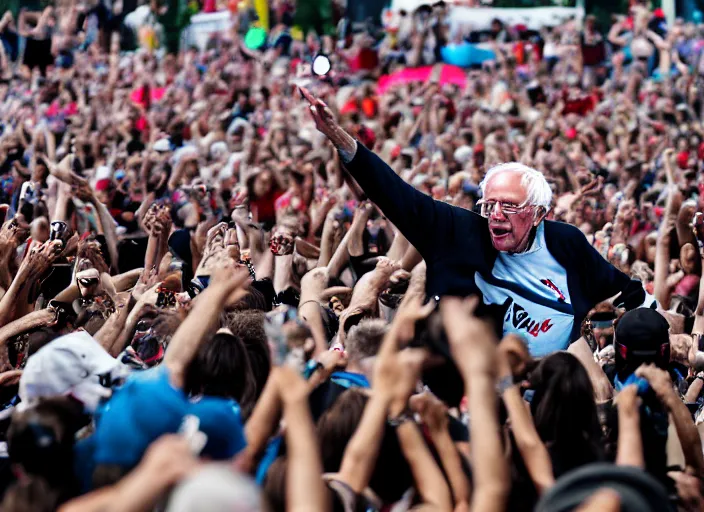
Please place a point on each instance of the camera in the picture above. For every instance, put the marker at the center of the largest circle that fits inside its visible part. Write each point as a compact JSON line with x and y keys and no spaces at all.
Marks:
{"x":59,"y":230}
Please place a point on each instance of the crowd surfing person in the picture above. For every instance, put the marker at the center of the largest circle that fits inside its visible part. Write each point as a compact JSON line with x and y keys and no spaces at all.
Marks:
{"x":228,"y":285}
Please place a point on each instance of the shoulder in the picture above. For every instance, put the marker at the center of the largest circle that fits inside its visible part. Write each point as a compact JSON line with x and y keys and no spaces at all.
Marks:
{"x":562,"y":228}
{"x":565,"y":239}
{"x":562,"y":232}
{"x":468,"y":225}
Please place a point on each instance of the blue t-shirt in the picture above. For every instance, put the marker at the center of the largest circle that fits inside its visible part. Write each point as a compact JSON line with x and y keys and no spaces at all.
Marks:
{"x":147,"y":407}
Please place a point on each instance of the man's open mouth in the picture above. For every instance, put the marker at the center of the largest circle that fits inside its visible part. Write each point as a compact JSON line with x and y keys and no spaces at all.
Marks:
{"x":498,"y":231}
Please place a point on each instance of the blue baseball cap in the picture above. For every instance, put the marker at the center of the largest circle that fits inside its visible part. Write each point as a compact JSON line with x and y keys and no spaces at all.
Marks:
{"x":147,"y":407}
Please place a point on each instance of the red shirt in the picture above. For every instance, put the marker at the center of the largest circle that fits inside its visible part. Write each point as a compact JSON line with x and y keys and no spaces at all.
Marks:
{"x":263,"y":208}
{"x":366,"y":59}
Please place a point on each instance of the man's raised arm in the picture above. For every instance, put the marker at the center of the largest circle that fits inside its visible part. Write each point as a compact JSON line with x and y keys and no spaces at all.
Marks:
{"x":426,"y":223}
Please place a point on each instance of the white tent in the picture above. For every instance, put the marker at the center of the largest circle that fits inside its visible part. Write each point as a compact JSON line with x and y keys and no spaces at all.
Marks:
{"x":479,"y":18}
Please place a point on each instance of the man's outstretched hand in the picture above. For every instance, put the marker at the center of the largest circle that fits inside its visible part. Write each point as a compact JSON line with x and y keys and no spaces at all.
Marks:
{"x":327,"y":125}
{"x":321,"y":114}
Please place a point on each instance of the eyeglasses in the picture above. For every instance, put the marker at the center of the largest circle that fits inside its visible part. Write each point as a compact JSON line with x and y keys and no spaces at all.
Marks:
{"x":506,"y":208}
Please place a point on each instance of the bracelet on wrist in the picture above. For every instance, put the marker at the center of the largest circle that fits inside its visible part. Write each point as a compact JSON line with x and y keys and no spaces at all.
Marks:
{"x":313,"y":301}
{"x":504,"y":384}
{"x":311,"y":367}
{"x":396,"y":421}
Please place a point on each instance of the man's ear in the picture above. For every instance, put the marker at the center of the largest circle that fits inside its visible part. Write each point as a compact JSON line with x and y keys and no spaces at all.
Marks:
{"x":540,"y":215}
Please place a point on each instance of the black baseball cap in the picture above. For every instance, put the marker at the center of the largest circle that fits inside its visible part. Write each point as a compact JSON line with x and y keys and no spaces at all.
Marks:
{"x":641,"y":337}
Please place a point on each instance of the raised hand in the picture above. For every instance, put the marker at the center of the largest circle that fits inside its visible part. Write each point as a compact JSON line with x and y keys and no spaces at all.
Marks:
{"x":472,"y":341}
{"x":234,"y":278}
{"x":658,"y":379}
{"x":282,"y":242}
{"x":169,"y":459}
{"x":432,"y":411}
{"x":12,"y":233}
{"x":39,"y":260}
{"x":150,"y":220}
{"x":514,"y":355}
{"x":83,"y":190}
{"x":325,"y":123}
{"x":409,"y":312}
{"x":320,"y":112}
{"x":396,"y":373}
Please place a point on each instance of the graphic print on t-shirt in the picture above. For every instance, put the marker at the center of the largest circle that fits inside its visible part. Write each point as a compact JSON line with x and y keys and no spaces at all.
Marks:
{"x":533,"y":286}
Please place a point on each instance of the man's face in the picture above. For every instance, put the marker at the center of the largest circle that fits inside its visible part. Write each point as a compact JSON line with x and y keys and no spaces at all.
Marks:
{"x":509,"y":233}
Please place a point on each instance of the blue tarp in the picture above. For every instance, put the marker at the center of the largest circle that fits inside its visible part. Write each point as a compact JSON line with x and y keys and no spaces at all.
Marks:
{"x":465,"y":55}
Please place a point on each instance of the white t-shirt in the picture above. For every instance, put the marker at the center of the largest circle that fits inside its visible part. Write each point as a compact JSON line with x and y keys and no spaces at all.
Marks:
{"x":535,"y":285}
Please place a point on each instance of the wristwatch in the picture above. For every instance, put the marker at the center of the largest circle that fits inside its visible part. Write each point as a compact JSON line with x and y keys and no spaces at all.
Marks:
{"x":406,"y":415}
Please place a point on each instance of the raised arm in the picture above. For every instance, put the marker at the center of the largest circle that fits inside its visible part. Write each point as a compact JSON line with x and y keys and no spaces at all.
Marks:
{"x":426,"y":223}
{"x":33,"y":268}
{"x":473,"y":346}
{"x":687,"y":431}
{"x":630,"y":444}
{"x":391,"y":372}
{"x":305,"y":489}
{"x":85,"y":193}
{"x":662,"y":256}
{"x":225,"y":285}
{"x":433,"y":413}
{"x":33,"y":320}
{"x":534,"y":453}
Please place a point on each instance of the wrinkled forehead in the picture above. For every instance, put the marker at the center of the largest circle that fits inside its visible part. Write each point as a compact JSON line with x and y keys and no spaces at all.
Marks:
{"x":506,"y":185}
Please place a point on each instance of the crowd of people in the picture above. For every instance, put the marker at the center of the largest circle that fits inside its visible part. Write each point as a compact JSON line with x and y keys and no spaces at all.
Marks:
{"x":229,"y":281}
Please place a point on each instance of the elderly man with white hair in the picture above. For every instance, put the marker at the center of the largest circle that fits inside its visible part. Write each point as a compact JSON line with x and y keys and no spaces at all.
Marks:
{"x":538,"y":278}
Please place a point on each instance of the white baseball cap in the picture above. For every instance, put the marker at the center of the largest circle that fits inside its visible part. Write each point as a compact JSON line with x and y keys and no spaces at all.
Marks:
{"x":162,"y":145}
{"x":70,"y":365}
{"x":463,"y":154}
{"x":103,"y":172}
{"x":221,"y":488}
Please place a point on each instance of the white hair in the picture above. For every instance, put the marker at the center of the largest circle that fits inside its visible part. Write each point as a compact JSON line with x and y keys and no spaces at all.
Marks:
{"x":537,"y":187}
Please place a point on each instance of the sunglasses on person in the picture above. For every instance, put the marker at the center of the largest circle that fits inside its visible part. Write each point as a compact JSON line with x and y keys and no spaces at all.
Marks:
{"x":505,"y":207}
{"x":601,"y":324}
{"x":602,"y":320}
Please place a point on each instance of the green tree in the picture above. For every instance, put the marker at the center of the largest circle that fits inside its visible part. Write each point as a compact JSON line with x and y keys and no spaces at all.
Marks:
{"x":176,"y":18}
{"x":315,"y":15}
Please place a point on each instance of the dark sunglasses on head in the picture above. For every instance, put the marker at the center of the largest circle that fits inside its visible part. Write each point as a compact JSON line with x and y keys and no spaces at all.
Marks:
{"x":601,"y":324}
{"x":88,"y":281}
